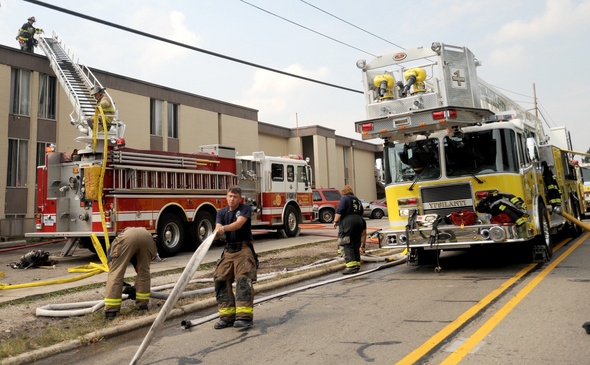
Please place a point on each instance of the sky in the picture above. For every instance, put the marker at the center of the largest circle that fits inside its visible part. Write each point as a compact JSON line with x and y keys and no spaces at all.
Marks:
{"x":519,"y":43}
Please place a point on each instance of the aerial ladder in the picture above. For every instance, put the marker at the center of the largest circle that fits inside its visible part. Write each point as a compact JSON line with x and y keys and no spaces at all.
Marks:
{"x":77,"y":80}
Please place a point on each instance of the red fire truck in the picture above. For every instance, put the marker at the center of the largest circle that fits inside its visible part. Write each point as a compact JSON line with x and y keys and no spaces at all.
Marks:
{"x":173,"y":195}
{"x":98,"y":191}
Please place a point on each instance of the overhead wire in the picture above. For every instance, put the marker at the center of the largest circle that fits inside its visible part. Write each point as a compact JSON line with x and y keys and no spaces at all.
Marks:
{"x":357,"y":27}
{"x":166,"y":40}
{"x":306,"y":28}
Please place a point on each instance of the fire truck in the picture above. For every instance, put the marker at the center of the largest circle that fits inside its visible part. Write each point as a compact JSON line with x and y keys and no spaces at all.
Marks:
{"x":465,"y":166}
{"x":105,"y":187}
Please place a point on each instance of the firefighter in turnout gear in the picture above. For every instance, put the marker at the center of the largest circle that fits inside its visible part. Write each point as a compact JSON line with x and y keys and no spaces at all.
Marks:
{"x":553,"y":191}
{"x":349,"y":219}
{"x":238,"y":262}
{"x":108,"y":109}
{"x":26,"y":36}
{"x":133,"y":245}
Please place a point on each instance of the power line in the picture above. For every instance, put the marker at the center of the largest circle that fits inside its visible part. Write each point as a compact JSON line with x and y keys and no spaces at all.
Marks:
{"x":306,"y":28}
{"x":344,"y":21}
{"x":165,"y":40}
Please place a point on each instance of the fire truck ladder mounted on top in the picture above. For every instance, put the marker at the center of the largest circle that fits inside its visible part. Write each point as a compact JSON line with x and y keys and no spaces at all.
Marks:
{"x":77,"y":80}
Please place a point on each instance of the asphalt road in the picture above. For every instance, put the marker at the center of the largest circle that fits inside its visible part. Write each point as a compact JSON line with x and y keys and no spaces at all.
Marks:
{"x":484,"y":307}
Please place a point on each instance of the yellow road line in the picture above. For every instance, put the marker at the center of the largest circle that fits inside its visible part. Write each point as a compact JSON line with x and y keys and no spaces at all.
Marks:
{"x":487,"y":327}
{"x":440,"y":336}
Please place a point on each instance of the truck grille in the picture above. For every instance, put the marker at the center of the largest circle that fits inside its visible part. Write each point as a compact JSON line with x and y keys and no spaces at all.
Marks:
{"x":445,"y":199}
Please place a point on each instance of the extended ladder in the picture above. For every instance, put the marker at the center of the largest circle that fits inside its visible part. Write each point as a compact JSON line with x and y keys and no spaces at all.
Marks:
{"x":76,"y":80}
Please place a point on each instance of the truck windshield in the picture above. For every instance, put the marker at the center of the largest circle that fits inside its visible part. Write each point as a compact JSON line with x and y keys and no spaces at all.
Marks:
{"x":414,"y":160}
{"x":481,"y":152}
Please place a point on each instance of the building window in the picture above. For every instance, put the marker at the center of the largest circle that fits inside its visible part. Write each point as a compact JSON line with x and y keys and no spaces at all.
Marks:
{"x":156,"y":117}
{"x":20,"y":91}
{"x":47,"y":95}
{"x":172,"y":120}
{"x":17,"y":162}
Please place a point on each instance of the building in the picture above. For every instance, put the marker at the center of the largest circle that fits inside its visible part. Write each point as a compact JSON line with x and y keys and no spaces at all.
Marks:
{"x":34,"y":113}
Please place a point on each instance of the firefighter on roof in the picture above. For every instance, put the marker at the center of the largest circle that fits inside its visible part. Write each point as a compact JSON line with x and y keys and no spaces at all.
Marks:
{"x":26,"y":35}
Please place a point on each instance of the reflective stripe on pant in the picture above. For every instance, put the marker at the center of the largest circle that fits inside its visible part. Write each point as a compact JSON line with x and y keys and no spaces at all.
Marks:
{"x":239,"y":266}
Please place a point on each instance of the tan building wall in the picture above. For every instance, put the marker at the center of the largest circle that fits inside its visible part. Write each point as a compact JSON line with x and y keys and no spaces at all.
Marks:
{"x":197,"y":127}
{"x":239,"y":133}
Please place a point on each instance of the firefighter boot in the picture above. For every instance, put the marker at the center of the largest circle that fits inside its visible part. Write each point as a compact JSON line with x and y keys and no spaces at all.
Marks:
{"x":222,"y":324}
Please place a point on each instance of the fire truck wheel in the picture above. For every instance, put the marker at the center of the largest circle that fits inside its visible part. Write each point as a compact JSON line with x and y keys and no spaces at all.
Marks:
{"x":573,"y":229}
{"x":291,"y":220}
{"x":200,"y":229}
{"x":170,"y":235}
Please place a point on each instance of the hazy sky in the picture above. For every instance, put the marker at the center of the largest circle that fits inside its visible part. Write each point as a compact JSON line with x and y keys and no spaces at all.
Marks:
{"x":520,"y":43}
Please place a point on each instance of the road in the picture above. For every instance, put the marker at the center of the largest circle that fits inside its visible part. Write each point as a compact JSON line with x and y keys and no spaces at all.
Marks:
{"x":483,"y":308}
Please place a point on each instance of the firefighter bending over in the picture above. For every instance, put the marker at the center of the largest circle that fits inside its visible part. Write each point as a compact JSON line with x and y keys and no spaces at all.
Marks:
{"x":26,"y":36}
{"x":238,"y":262}
{"x":108,"y":109}
{"x":349,"y":219}
{"x":133,"y":245}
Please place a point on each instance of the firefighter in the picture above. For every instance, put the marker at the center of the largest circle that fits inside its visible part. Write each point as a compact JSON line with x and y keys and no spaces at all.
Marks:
{"x":553,"y":191}
{"x":133,"y":245}
{"x":238,"y":262}
{"x":26,"y":35}
{"x":349,"y":219}
{"x":108,"y":109}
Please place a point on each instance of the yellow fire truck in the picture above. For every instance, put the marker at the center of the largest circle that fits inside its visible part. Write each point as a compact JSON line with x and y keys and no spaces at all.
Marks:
{"x":465,"y":166}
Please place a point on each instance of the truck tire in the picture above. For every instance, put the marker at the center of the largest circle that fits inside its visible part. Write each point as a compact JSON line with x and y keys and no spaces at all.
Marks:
{"x":573,"y":229}
{"x":326,"y":215}
{"x":170,"y":235}
{"x":291,"y":221}
{"x":200,"y":229}
{"x":543,"y":241}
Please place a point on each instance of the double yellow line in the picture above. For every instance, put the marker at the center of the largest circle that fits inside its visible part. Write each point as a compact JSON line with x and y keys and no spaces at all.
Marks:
{"x":487,"y":327}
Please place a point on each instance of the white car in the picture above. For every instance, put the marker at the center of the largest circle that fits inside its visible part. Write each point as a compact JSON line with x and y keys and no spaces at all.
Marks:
{"x":374,"y":211}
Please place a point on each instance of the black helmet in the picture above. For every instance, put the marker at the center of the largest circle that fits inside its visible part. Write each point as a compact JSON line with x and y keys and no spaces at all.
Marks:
{"x":32,"y":18}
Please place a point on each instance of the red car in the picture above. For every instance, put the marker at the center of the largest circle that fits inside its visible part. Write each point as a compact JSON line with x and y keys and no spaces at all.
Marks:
{"x":325,"y":202}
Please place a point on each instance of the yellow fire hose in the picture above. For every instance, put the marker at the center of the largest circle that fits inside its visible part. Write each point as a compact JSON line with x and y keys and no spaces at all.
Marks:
{"x":575,"y":220}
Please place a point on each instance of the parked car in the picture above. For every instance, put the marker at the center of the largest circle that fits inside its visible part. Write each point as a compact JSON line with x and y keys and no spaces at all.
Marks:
{"x":374,"y":211}
{"x":325,"y":202}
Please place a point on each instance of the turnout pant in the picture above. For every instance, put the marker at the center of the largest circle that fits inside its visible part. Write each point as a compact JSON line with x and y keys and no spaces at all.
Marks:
{"x":133,"y":243}
{"x":241,"y":267}
{"x":350,"y":238}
